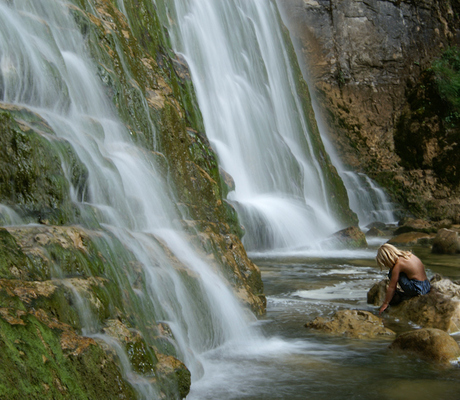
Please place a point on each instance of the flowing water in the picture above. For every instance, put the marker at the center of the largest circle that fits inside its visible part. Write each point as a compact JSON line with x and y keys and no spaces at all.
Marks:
{"x":45,"y":68}
{"x":231,"y":355}
{"x":296,"y":363}
{"x":255,"y":120}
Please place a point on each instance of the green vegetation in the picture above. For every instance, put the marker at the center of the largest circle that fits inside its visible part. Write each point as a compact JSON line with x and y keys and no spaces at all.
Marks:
{"x":447,"y":76}
{"x":428,"y":131}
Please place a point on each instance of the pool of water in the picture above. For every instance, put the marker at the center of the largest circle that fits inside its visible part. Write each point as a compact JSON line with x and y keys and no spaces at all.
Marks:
{"x":288,"y":361}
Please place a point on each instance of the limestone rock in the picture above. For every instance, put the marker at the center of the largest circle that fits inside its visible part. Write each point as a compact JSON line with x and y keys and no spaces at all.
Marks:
{"x":352,"y":323}
{"x":432,"y":345}
{"x":446,"y":242}
{"x":351,"y":237}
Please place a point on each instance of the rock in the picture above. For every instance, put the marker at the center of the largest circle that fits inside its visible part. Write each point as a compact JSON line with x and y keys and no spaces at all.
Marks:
{"x":351,"y":237}
{"x":411,"y":238}
{"x":432,"y":345}
{"x":352,"y":323}
{"x":364,"y":57}
{"x":376,"y":224}
{"x":439,"y":309}
{"x":445,"y":223}
{"x":376,"y":294}
{"x":446,"y":242}
{"x":374,"y":232}
{"x":415,"y":225}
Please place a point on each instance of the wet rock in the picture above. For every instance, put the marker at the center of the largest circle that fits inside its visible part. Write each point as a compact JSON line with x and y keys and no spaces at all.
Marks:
{"x":432,"y":345}
{"x":446,"y":242}
{"x":352,"y":323}
{"x":171,"y":369}
{"x":377,"y":224}
{"x":351,"y":238}
{"x":375,"y":232}
{"x":439,"y":309}
{"x":376,"y":294}
{"x":411,"y":239}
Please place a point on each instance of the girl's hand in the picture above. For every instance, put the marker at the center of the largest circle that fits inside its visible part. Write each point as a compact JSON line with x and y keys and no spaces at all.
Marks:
{"x":383,"y":308}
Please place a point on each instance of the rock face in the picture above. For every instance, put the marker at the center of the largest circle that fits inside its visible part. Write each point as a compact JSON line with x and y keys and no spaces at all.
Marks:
{"x":352,"y":323}
{"x":439,"y":309}
{"x":432,"y":345}
{"x":369,"y":64}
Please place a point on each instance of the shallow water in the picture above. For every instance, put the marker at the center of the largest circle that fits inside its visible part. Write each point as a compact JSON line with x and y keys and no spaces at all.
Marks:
{"x":290,"y":362}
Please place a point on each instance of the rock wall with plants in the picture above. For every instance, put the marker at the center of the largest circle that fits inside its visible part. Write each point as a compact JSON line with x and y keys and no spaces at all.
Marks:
{"x":378,"y":69}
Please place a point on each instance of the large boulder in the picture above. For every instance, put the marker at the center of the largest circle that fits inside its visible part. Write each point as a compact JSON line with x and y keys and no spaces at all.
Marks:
{"x":440,"y":308}
{"x":446,"y":242}
{"x":352,"y":323}
{"x":432,"y":345}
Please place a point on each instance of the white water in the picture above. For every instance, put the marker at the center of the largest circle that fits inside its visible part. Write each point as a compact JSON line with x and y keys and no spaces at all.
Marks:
{"x":45,"y":68}
{"x":367,"y":199}
{"x":254,"y":119}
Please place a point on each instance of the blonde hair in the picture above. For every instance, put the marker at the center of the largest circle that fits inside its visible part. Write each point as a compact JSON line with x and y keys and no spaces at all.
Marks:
{"x":388,"y":255}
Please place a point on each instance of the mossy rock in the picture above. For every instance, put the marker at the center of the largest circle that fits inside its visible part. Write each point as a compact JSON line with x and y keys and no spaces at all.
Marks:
{"x":38,"y":361}
{"x":32,"y":180}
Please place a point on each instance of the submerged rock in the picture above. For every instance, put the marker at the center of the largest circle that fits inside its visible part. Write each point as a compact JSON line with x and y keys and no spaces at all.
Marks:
{"x":352,"y":323}
{"x":432,"y":345}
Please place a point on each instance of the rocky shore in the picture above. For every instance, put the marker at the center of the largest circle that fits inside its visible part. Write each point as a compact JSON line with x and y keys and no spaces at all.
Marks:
{"x":421,"y":326}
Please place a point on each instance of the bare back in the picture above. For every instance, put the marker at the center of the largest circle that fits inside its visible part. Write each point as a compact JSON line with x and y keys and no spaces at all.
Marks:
{"x":412,"y":267}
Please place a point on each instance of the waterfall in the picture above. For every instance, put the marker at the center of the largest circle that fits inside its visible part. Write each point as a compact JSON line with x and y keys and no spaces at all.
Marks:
{"x":255,"y":120}
{"x":367,"y":199}
{"x":46,"y":69}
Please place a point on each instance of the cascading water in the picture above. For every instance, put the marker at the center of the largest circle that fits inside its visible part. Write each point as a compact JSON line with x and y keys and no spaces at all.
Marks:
{"x":44,"y":67}
{"x":255,"y":120}
{"x":367,"y":199}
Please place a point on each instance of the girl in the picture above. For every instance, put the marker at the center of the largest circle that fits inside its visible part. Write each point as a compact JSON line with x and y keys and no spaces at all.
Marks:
{"x":406,"y":269}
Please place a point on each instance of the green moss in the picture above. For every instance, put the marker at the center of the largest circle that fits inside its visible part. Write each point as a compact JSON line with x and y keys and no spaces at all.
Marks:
{"x":32,"y":179}
{"x":11,"y":256}
{"x":33,"y":365}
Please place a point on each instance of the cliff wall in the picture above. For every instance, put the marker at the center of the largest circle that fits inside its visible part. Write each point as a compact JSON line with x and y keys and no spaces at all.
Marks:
{"x":368,"y":63}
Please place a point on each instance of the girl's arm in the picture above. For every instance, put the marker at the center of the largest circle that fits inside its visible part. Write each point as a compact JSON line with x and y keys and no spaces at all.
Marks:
{"x":391,"y":288}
